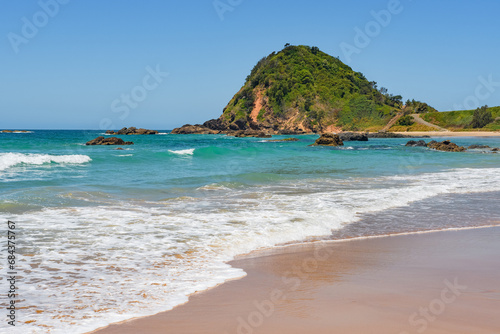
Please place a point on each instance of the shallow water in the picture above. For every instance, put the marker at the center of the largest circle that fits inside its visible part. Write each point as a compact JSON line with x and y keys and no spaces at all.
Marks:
{"x":105,"y":235}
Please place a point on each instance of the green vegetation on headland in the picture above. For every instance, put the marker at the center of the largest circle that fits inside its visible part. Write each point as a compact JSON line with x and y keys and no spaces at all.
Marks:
{"x":306,"y":89}
{"x":301,"y":89}
{"x":483,"y":119}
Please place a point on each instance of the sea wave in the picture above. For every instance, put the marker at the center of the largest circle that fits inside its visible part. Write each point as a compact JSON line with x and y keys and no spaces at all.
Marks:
{"x":8,"y":160}
{"x":156,"y":255}
{"x":183,"y":152}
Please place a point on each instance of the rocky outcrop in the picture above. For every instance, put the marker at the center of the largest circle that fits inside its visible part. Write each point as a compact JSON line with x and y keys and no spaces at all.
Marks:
{"x":419,"y":143}
{"x":283,"y":140}
{"x":108,"y":141}
{"x":14,"y":131}
{"x":251,"y":133}
{"x":445,"y":146}
{"x":132,"y":131}
{"x":352,"y":136}
{"x":329,"y":139}
{"x":196,"y":129}
{"x":475,"y":147}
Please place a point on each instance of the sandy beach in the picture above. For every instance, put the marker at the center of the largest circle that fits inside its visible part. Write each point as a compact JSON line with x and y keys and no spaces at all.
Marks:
{"x":453,"y":134}
{"x":436,"y":283}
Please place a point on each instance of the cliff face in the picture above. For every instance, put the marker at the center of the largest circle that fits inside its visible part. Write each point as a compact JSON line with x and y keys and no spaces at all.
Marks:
{"x":301,"y":90}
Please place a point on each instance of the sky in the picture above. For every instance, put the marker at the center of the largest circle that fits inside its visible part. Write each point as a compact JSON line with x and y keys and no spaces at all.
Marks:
{"x":95,"y":64}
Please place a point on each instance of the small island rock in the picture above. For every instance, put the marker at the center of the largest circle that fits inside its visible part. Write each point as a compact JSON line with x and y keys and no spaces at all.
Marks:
{"x":352,"y":136}
{"x":132,"y":131}
{"x":108,"y":141}
{"x":329,"y":139}
{"x":414,"y":143}
{"x":445,"y":146}
{"x":196,"y":129}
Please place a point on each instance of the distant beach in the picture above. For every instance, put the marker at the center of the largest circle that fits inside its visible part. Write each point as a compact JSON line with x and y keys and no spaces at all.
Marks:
{"x":453,"y":133}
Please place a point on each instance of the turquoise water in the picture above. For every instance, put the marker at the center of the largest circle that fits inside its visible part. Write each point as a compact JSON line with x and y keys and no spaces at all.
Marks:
{"x":132,"y":232}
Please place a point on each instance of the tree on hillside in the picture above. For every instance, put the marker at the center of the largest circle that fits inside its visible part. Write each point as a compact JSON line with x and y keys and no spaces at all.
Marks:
{"x":418,"y":107}
{"x":482,"y":117}
{"x":406,"y":121}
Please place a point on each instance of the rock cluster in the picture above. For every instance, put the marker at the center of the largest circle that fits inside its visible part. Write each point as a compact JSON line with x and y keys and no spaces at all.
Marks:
{"x":236,"y":128}
{"x":446,"y":146}
{"x":252,"y":133}
{"x":197,"y":129}
{"x":132,"y":131}
{"x":352,"y":136}
{"x":329,"y":139}
{"x":108,"y":141}
{"x":419,"y":143}
{"x":283,"y":140}
{"x":474,"y":147}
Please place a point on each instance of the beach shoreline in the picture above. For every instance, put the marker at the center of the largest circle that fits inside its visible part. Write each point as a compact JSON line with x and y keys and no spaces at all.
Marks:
{"x":370,"y":282}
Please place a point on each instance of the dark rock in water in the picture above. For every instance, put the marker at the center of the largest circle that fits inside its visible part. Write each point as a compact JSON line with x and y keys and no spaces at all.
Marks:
{"x":419,"y":143}
{"x":472,"y":147}
{"x":108,"y":141}
{"x":351,"y":136}
{"x":198,"y":129}
{"x":132,"y":131}
{"x":329,"y":139}
{"x":446,"y":146}
{"x":119,"y":148}
{"x":496,"y":149}
{"x":251,"y":133}
{"x":283,"y":140}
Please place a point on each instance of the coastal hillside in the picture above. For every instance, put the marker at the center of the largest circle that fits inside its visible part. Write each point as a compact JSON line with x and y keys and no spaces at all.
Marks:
{"x":304,"y":89}
{"x":487,"y":119}
{"x":301,"y":89}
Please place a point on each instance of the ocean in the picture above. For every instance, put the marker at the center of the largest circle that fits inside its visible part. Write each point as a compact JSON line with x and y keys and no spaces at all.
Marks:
{"x":104,"y":235}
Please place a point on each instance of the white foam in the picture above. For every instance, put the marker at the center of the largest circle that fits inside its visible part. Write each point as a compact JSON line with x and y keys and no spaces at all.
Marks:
{"x":183,"y":152}
{"x":110,"y":263}
{"x":8,"y":160}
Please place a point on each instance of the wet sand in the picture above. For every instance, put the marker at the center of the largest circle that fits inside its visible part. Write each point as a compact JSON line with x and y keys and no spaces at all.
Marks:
{"x":453,"y":134}
{"x":434,"y":283}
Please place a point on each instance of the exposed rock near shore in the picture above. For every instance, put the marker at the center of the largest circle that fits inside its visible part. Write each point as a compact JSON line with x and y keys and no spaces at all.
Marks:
{"x":283,"y":140}
{"x":251,"y":133}
{"x":329,"y":139}
{"x":352,"y":136}
{"x":108,"y":141}
{"x":196,"y":129}
{"x":445,"y":146}
{"x":217,"y":126}
{"x":448,"y":146}
{"x":475,"y":147}
{"x":132,"y":131}
{"x":419,"y":143}
{"x":15,"y":131}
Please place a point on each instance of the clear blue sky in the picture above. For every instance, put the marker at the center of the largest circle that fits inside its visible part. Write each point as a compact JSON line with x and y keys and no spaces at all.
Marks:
{"x":73,"y":71}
